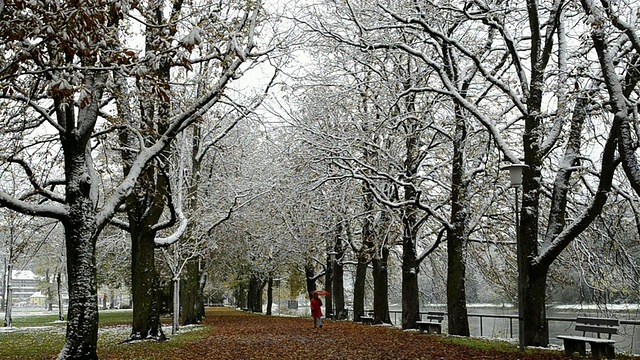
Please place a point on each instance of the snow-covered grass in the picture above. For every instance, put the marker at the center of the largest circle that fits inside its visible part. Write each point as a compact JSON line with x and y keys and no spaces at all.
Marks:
{"x":39,"y":336}
{"x":596,"y":307}
{"x":34,"y":342}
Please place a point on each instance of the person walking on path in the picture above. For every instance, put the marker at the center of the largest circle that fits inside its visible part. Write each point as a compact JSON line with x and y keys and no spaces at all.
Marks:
{"x":316,"y":310}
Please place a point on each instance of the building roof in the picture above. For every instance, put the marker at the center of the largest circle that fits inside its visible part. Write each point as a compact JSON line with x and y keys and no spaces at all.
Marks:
{"x":37,"y":294}
{"x":23,"y":275}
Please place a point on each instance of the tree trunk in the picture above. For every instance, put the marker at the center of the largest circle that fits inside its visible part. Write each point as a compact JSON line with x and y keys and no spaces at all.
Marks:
{"x":457,"y":236}
{"x":156,"y":306}
{"x":81,"y":231}
{"x":3,"y":295}
{"x":536,"y":329}
{"x":82,"y":325}
{"x":147,"y":201}
{"x":269,"y":295}
{"x":359,"y":287}
{"x":143,"y":275}
{"x":338,"y":276}
{"x":200,"y":299}
{"x":176,"y":305}
{"x":458,"y":321}
{"x":241,"y":296}
{"x":255,"y":294}
{"x":49,"y":301}
{"x":251,"y":294}
{"x":410,"y":293}
{"x":363,"y":255}
{"x":528,"y":233}
{"x":190,"y":291}
{"x":328,"y":286}
{"x":60,"y":304}
{"x":410,"y":264}
{"x":9,"y":300}
{"x":338,"y":292}
{"x":310,"y":274}
{"x":381,"y":287}
{"x":410,"y":269}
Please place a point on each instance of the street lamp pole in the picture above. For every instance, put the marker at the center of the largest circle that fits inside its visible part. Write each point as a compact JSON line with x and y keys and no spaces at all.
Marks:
{"x":332,"y":260}
{"x":515,"y":174}
{"x":279,"y":280}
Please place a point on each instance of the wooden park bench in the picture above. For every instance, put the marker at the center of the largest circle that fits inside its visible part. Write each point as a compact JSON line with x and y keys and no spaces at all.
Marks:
{"x":600,"y":347}
{"x":367,"y":320}
{"x":433,"y":325}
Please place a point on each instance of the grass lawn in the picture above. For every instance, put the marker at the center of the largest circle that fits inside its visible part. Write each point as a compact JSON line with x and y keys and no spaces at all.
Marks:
{"x":42,"y":336}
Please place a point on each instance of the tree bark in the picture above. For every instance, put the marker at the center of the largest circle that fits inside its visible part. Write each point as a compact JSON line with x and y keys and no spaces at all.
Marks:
{"x":60,"y":306}
{"x":359,"y":287}
{"x":338,"y":289}
{"x":81,"y":228}
{"x":363,"y":255}
{"x":80,"y":237}
{"x":328,"y":286}
{"x":536,"y":329}
{"x":381,"y":287}
{"x":8,"y":299}
{"x":410,"y":268}
{"x":410,"y":265}
{"x":143,"y":274}
{"x":309,"y":273}
{"x":190,"y":288}
{"x":255,"y":294}
{"x":241,"y":296}
{"x":458,"y":321}
{"x":175,"y":282}
{"x":82,"y":324}
{"x":270,"y":295}
{"x":200,"y":299}
{"x":457,"y":234}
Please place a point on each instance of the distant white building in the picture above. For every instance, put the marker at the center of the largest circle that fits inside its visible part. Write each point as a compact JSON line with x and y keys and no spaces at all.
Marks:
{"x":37,"y":299}
{"x":23,"y":284}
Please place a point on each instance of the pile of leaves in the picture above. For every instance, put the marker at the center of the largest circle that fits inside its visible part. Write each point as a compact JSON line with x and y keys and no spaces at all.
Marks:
{"x":239,"y":335}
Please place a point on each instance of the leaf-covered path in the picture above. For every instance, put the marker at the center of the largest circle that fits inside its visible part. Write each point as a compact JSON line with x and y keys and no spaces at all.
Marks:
{"x":239,"y":335}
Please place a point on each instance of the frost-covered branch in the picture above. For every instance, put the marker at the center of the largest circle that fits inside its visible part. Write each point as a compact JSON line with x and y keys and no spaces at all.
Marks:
{"x":244,"y":113}
{"x":44,"y":210}
{"x":433,"y":247}
{"x":173,"y":238}
{"x":38,"y":189}
{"x":176,"y":123}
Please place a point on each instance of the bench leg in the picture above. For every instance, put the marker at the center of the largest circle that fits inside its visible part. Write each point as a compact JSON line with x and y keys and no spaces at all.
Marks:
{"x":435,"y":329}
{"x":571,"y":346}
{"x":599,"y":351}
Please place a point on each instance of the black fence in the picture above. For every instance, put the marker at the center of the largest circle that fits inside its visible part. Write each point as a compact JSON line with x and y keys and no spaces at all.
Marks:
{"x":506,"y":326}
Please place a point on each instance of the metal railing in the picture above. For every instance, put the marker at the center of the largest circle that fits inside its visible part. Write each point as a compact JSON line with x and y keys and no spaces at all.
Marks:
{"x":480,"y":330}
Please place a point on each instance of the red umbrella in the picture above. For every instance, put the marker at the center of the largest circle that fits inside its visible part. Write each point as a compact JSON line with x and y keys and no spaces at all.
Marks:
{"x":320,"y":292}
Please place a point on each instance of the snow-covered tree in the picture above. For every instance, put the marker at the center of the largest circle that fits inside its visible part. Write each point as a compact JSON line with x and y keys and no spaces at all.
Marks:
{"x":64,"y":62}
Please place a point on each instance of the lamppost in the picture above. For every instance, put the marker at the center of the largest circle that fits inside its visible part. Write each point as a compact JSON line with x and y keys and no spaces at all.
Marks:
{"x":515,"y":174}
{"x":332,"y":260}
{"x":279,"y":280}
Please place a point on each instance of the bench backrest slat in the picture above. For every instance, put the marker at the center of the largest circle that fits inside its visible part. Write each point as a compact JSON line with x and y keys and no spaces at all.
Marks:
{"x":598,"y":321}
{"x":597,"y":325}
{"x":435,"y":315}
{"x":596,"y":329}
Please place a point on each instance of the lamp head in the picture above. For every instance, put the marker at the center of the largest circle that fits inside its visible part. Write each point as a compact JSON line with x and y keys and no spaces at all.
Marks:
{"x":515,"y":173}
